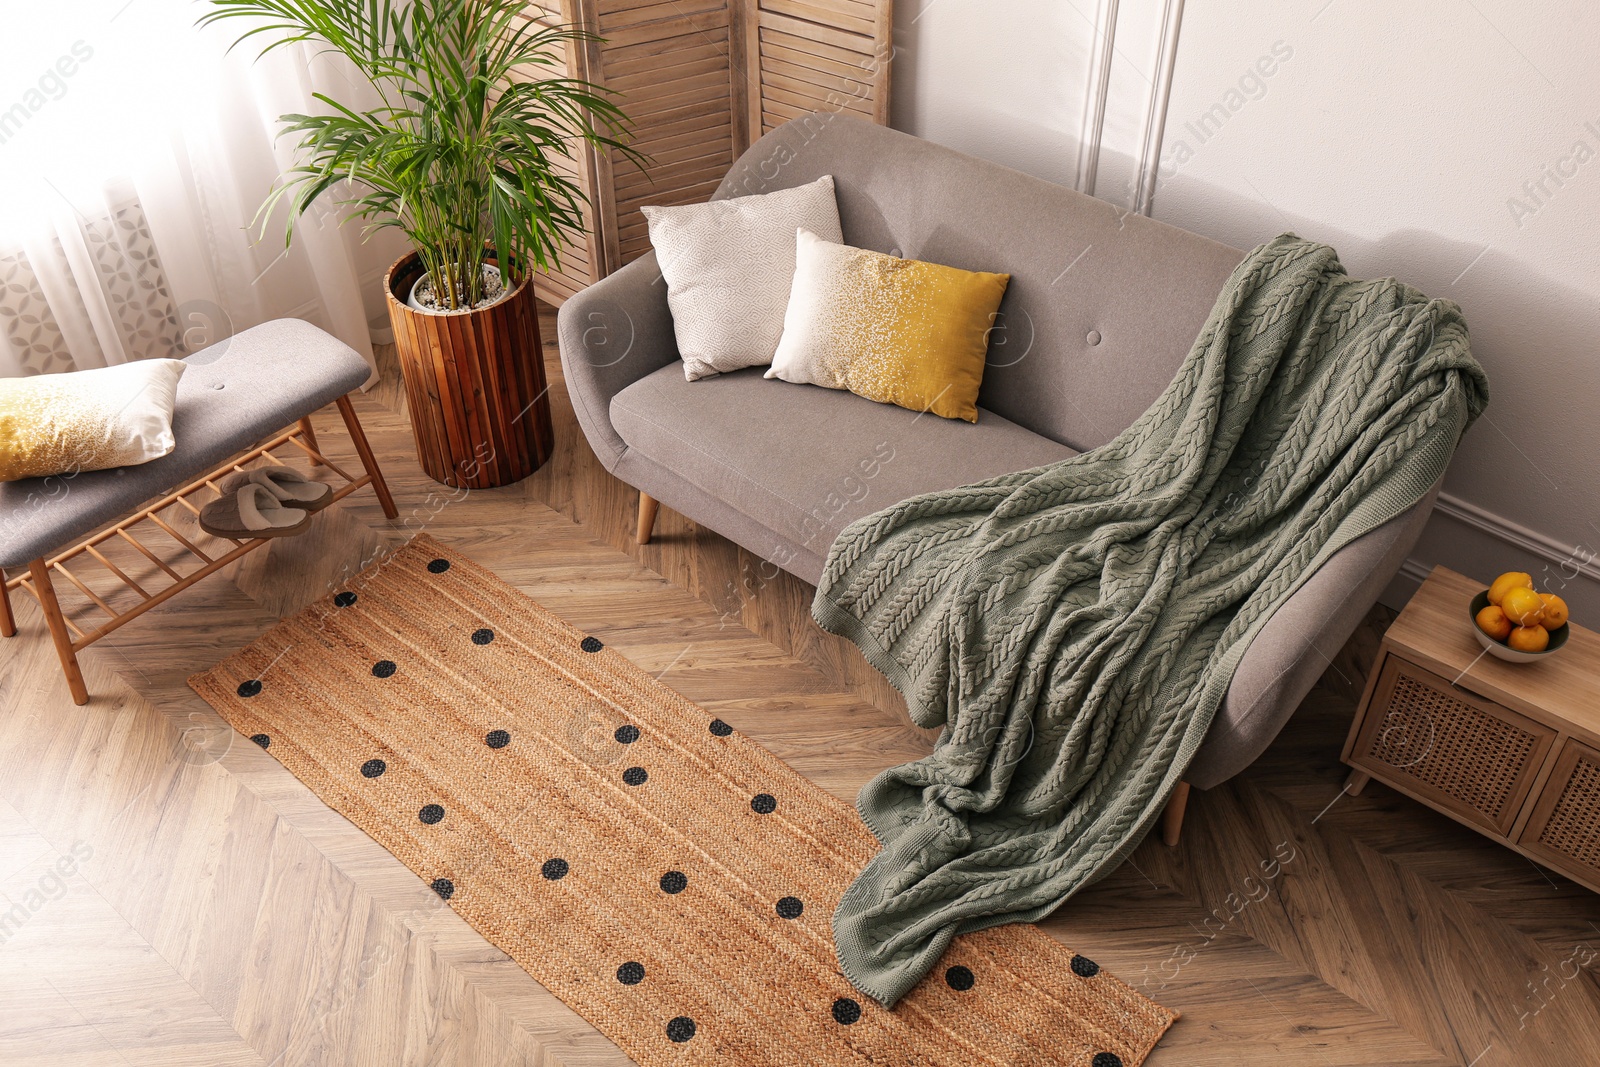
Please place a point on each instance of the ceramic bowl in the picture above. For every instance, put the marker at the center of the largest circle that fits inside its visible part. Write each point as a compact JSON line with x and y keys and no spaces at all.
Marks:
{"x":1558,"y":636}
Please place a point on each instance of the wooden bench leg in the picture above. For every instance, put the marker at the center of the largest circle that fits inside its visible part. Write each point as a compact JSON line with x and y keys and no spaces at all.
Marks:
{"x":309,"y":432}
{"x":58,"y":631}
{"x":1356,"y":782}
{"x":8,"y":621}
{"x":1172,"y":817}
{"x":648,"y":506}
{"x":368,"y":461}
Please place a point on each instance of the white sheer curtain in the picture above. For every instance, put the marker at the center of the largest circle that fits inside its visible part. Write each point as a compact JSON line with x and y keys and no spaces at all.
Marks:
{"x":134,"y":154}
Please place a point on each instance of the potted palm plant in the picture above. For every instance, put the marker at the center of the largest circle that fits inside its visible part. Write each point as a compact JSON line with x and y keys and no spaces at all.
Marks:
{"x":462,"y":150}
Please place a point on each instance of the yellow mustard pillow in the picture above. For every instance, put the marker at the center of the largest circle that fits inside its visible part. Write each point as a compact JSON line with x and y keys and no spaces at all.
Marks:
{"x":87,"y":420}
{"x":898,"y":331}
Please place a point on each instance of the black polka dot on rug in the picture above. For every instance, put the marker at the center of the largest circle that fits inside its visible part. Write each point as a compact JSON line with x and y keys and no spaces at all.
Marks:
{"x":497,"y":739}
{"x":959,"y":978}
{"x":373,"y":767}
{"x":555,"y":869}
{"x":590,"y":644}
{"x":627,"y":733}
{"x":720,"y":728}
{"x":384,"y":668}
{"x":431,"y":813}
{"x":846,"y":1011}
{"x":680,"y":1029}
{"x":250,"y":688}
{"x":790,"y":907}
{"x":1106,"y":1059}
{"x":438,"y":566}
{"x":635,"y":776}
{"x":630,"y":973}
{"x":483,"y":636}
{"x":261,"y":739}
{"x":1084,"y":967}
{"x":344,"y":599}
{"x":674,"y":882}
{"x":763,"y":803}
{"x":444,"y":887}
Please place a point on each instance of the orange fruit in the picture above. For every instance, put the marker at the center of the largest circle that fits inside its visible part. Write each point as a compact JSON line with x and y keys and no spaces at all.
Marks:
{"x":1523,"y":606}
{"x":1493,"y":621}
{"x":1508,"y":581}
{"x":1555,"y":611}
{"x":1529,"y":639}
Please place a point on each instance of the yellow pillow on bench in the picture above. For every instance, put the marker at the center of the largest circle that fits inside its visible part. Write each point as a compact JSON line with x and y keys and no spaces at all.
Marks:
{"x":898,"y":331}
{"x":87,"y":420}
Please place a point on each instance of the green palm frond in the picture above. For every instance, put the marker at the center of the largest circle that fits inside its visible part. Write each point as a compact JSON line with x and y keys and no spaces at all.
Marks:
{"x":467,"y":148}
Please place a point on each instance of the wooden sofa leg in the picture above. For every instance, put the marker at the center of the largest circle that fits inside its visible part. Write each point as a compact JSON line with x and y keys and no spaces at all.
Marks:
{"x":1172,"y":817}
{"x":648,"y":506}
{"x":58,"y":631}
{"x":368,"y":462}
{"x":8,"y":621}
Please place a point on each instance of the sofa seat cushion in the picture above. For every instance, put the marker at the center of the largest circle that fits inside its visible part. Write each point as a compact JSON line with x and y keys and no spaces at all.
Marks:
{"x":806,"y":462}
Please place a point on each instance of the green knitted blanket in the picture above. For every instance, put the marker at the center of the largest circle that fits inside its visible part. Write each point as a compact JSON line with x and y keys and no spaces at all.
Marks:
{"x":1074,"y":627}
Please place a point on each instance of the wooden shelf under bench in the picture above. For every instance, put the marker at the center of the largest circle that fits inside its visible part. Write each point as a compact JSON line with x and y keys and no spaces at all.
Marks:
{"x":1511,"y":750}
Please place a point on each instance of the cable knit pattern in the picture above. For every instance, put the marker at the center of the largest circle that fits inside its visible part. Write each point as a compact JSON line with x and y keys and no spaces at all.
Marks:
{"x":1074,"y":627}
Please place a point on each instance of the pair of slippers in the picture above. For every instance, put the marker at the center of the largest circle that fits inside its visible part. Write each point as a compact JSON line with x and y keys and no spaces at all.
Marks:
{"x":265,"y":502}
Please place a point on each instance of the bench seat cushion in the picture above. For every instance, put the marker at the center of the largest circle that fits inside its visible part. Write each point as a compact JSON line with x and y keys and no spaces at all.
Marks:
{"x":805,"y":462}
{"x":233,"y":395}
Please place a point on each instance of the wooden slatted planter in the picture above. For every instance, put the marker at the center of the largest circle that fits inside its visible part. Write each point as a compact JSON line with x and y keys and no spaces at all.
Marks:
{"x":475,"y":384}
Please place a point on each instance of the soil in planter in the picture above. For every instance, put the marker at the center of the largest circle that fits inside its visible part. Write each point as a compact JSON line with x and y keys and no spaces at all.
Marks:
{"x":493,"y":290}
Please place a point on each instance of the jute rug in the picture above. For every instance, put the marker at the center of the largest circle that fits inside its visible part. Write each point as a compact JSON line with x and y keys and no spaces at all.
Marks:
{"x":666,"y":877}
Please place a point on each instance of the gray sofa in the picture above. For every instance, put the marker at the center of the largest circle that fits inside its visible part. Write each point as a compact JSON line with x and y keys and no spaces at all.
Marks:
{"x":1101,"y":309}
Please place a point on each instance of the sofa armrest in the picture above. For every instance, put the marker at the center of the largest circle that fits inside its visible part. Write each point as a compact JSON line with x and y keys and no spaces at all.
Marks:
{"x":1299,"y":643}
{"x":612,"y":334}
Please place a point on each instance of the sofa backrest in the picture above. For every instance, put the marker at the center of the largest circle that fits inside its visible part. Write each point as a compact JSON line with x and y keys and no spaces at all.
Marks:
{"x":1102,"y":306}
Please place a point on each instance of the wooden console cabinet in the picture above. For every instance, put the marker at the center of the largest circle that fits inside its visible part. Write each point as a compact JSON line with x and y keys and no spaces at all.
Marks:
{"x":1511,"y":750}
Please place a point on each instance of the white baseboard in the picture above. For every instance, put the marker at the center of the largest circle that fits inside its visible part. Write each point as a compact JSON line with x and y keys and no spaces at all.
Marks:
{"x":1479,"y":543}
{"x":1571,"y":557}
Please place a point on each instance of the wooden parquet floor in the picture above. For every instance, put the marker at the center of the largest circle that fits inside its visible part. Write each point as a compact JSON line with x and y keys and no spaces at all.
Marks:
{"x":169,"y":895}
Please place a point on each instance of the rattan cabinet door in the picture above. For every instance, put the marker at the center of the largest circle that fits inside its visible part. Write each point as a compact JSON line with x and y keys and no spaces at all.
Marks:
{"x":1450,"y":748}
{"x":1564,"y":829}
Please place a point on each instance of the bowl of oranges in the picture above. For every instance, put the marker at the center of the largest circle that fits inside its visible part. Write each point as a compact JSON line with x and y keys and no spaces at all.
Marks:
{"x":1517,"y":624}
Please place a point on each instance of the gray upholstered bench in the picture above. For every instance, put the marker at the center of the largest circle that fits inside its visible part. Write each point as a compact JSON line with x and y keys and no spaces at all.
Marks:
{"x":241,"y":402}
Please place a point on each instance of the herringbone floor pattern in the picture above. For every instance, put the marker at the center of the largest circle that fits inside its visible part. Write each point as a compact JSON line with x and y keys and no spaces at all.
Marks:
{"x":172,"y":896}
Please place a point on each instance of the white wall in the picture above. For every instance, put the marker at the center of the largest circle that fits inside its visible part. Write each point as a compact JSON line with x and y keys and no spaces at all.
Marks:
{"x":1451,"y":144}
{"x":993,"y":78}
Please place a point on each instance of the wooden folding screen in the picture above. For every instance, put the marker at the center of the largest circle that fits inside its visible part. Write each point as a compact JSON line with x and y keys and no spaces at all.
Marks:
{"x":583,"y":260}
{"x":816,"y":55}
{"x":702,"y":79}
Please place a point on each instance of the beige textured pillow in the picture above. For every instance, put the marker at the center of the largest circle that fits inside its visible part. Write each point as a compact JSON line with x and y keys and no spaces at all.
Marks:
{"x":728,"y":265}
{"x":87,"y":420}
{"x":898,"y":331}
